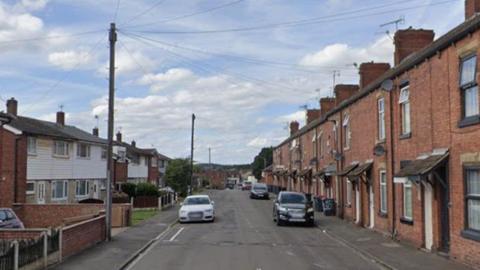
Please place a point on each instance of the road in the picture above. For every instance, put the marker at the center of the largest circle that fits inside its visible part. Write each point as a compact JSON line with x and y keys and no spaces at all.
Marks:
{"x":244,"y":237}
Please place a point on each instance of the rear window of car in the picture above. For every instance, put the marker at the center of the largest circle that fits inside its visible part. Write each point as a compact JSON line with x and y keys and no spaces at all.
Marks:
{"x":259,"y":187}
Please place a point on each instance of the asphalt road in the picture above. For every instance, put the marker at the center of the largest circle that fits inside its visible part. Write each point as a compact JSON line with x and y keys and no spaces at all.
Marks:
{"x":244,"y":237}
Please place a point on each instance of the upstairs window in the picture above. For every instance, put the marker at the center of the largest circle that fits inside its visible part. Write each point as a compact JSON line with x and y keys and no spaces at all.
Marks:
{"x":83,"y":150}
{"x":60,"y":148}
{"x":469,"y":87}
{"x":32,"y":145}
{"x":346,"y":132}
{"x":404,"y":102}
{"x":381,"y":119}
{"x":104,"y":153}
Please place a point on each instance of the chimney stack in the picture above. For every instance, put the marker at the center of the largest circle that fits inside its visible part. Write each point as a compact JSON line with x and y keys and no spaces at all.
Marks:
{"x":371,"y":71}
{"x":12,"y":106}
{"x":409,"y":41}
{"x":472,"y":7}
{"x":312,"y":115}
{"x":294,"y":126}
{"x":119,"y":137}
{"x":61,"y":118}
{"x":95,"y":131}
{"x":134,"y":144}
{"x":344,"y":91}
{"x":326,"y":105}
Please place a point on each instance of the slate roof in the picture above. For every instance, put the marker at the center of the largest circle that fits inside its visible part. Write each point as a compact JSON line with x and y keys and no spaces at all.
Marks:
{"x":360,"y":169}
{"x":347,"y":169}
{"x":421,"y":166}
{"x":469,"y":26}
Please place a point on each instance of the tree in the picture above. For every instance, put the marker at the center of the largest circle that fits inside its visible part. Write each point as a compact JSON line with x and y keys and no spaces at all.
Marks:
{"x":147,"y":189}
{"x":261,"y":161}
{"x":177,"y":175}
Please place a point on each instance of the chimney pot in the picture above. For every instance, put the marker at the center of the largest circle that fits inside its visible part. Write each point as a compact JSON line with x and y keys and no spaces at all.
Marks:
{"x":119,"y":136}
{"x":472,"y":7}
{"x":12,"y":106}
{"x":95,"y":131}
{"x":61,"y":118}
{"x":134,"y":144}
{"x":294,"y":127}
{"x":409,"y":41}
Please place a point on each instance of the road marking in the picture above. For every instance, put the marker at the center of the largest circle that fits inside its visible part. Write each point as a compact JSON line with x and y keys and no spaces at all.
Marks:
{"x":290,"y":253}
{"x":146,"y":251}
{"x":176,"y":234}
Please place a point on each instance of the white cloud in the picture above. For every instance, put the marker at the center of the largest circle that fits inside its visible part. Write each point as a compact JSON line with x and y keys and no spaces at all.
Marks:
{"x":129,"y":62}
{"x":174,"y":76}
{"x":258,"y":142}
{"x":68,"y":60}
{"x":33,"y":4}
{"x":298,"y":116}
{"x":340,"y":54}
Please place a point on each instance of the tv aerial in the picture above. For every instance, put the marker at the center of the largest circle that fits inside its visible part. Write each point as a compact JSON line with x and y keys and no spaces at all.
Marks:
{"x":397,"y":22}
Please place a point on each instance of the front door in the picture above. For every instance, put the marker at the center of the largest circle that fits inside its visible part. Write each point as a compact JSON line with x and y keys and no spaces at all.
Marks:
{"x":41,"y":192}
{"x":96,"y":189}
{"x":371,"y":202}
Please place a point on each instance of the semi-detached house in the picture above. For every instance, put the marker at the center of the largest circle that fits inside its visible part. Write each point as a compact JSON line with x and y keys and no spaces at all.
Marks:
{"x":401,"y":154}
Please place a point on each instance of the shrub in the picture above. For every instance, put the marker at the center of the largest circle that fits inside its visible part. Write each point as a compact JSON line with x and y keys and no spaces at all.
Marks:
{"x":147,"y":189}
{"x":129,"y":188}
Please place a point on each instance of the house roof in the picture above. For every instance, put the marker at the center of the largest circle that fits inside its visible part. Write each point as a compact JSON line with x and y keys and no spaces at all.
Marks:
{"x":45,"y":128}
{"x":347,"y":169}
{"x":454,"y":35}
{"x":360,"y":169}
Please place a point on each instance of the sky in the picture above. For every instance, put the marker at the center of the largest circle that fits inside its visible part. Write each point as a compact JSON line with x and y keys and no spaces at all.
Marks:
{"x":246,"y":68}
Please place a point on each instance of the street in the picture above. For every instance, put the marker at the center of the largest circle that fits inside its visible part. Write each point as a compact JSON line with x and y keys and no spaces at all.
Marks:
{"x":244,"y":236}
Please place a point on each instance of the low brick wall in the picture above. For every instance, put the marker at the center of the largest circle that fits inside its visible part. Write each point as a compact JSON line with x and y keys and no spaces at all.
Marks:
{"x":15,"y":234}
{"x":53,"y":215}
{"x":83,"y":235}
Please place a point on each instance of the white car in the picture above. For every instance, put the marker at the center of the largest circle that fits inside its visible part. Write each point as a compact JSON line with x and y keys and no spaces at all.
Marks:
{"x":196,"y":208}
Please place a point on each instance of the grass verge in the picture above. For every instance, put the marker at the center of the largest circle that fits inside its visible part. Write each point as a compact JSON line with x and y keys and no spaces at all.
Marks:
{"x":141,"y":215}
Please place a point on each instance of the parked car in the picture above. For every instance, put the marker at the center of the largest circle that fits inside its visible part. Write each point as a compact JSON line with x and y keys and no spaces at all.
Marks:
{"x":197,"y":208}
{"x":293,"y":207}
{"x":9,"y":220}
{"x":247,"y":185}
{"x":259,"y":191}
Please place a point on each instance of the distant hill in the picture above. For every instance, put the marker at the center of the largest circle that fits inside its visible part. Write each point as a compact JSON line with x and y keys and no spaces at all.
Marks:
{"x":225,"y":167}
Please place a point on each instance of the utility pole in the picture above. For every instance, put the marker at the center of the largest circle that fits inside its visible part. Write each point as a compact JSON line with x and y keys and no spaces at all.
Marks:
{"x":112,"y":37}
{"x":209,"y":156}
{"x":336,"y":73}
{"x":191,"y":156}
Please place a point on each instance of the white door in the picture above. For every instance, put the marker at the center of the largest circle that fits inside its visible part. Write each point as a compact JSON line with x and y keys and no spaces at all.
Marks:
{"x":96,"y":189}
{"x":357,"y":203}
{"x":428,"y":216}
{"x":372,"y":207}
{"x":40,"y":192}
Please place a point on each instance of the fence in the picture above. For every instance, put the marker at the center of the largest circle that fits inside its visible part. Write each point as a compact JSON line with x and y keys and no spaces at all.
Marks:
{"x":145,"y":202}
{"x":18,"y":253}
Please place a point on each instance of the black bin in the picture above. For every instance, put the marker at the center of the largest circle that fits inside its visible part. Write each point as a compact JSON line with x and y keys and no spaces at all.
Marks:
{"x":318,"y":204}
{"x":329,"y":207}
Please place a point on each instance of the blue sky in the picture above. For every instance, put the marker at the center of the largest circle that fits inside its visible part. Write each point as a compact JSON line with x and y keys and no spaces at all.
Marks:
{"x":244,"y":85}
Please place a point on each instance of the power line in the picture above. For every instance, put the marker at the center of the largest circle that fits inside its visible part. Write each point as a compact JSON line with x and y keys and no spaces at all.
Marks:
{"x":275,"y":64}
{"x":66,"y":76}
{"x":50,"y":37}
{"x":116,"y":11}
{"x":190,"y":14}
{"x":295,"y":23}
{"x":138,"y":15}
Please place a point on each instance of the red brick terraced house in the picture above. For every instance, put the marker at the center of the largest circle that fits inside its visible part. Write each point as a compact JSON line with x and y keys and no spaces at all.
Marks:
{"x":400,"y":152}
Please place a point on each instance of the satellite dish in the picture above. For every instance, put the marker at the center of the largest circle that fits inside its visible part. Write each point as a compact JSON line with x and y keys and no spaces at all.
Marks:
{"x":378,"y":150}
{"x":387,"y":85}
{"x":338,"y":156}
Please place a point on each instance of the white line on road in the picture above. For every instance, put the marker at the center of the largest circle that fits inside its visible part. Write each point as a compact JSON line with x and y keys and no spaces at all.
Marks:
{"x":290,"y":253}
{"x":176,"y":234}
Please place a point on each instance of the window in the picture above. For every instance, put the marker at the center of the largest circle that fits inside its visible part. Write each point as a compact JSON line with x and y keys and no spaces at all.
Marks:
{"x":349,"y":193}
{"x":162,"y":163}
{"x":472,"y":198}
{"x":135,"y":160}
{"x":468,"y":86}
{"x":145,"y":160}
{"x":383,"y":192}
{"x":346,"y":132}
{"x":59,"y":190}
{"x":82,"y":188}
{"x":381,"y":119}
{"x":30,"y":187}
{"x":405,"y":109}
{"x":407,"y":201}
{"x":32,"y":145}
{"x":320,"y":144}
{"x":60,"y":148}
{"x":154,"y":162}
{"x":83,"y":150}
{"x":104,"y":153}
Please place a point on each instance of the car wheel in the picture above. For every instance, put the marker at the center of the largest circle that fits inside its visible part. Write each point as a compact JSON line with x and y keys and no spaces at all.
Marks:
{"x":310,"y":223}
{"x":279,"y":222}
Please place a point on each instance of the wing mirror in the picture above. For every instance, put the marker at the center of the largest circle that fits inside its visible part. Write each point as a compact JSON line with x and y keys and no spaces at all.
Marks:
{"x":181,"y":204}
{"x":213,"y":203}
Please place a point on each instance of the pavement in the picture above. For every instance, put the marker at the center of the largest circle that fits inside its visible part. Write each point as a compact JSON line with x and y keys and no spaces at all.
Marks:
{"x":113,"y":255}
{"x":244,"y":237}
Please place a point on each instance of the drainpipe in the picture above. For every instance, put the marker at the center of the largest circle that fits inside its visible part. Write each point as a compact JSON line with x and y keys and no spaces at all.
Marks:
{"x":392,"y":163}
{"x":15,"y":166}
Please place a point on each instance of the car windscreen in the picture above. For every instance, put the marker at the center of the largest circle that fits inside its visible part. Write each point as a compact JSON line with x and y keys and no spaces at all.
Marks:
{"x":293,"y":198}
{"x":196,"y":201}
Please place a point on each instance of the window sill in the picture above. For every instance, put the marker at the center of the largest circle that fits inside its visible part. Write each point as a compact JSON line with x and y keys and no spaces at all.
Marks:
{"x":383,"y":215}
{"x":60,"y":156}
{"x":382,"y":141}
{"x":83,"y":158}
{"x":32,"y":154}
{"x":406,"y":136}
{"x":469,"y":121}
{"x":471,"y":234}
{"x":406,"y":221}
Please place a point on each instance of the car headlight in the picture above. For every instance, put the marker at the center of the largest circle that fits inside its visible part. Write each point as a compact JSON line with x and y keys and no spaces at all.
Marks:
{"x":310,"y":210}
{"x":183,"y":212}
{"x":282,"y":209}
{"x":209,"y":210}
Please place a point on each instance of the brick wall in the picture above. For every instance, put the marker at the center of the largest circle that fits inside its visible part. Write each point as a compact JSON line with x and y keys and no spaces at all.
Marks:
{"x":120,"y":172}
{"x":13,"y":158}
{"x":153,"y":173}
{"x":83,"y":235}
{"x":6,"y":234}
{"x":53,"y":215}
